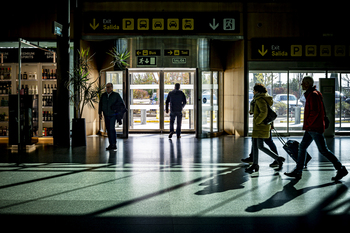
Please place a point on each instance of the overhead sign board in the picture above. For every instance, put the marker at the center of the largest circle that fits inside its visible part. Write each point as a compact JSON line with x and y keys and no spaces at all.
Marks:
{"x":176,"y":52}
{"x":179,"y":60}
{"x":280,"y":48}
{"x":148,"y":52}
{"x":146,"y":61}
{"x":10,"y":55}
{"x":160,"y":22}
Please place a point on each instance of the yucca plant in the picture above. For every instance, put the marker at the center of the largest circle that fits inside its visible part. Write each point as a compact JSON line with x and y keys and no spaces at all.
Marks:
{"x":84,"y":91}
{"x":119,"y":57}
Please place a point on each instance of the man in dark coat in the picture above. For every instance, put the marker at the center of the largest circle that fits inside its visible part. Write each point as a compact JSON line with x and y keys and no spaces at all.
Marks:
{"x":109,"y":103}
{"x":177,"y":100}
{"x":314,"y":126}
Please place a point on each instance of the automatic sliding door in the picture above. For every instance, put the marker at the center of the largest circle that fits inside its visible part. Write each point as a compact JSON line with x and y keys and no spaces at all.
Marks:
{"x":210,"y":103}
{"x":186,"y":80}
{"x":144,"y":101}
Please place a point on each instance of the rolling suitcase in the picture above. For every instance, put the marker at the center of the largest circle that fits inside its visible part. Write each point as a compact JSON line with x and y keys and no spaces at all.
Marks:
{"x":292,"y":147}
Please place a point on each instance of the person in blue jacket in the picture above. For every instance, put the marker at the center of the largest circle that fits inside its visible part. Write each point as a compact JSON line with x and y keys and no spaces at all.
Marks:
{"x":109,"y":105}
{"x":177,"y":100}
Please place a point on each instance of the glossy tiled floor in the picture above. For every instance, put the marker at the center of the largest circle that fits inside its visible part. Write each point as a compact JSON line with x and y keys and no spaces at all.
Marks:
{"x":152,"y":184}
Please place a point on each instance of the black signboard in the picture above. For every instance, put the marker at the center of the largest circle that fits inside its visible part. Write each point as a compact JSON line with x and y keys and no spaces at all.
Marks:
{"x":176,"y":52}
{"x":160,"y":22}
{"x":299,"y":49}
{"x":29,"y":55}
{"x":148,"y":52}
{"x":146,"y":61}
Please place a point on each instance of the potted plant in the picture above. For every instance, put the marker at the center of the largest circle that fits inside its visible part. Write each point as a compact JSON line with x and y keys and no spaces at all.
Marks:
{"x":119,"y":57}
{"x":84,"y":91}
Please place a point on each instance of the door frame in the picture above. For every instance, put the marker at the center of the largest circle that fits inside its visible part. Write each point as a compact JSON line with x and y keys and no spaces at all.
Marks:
{"x":126,"y":92}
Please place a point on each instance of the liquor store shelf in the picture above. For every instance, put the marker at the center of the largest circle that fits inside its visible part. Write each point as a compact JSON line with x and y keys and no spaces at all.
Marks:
{"x":41,"y":140}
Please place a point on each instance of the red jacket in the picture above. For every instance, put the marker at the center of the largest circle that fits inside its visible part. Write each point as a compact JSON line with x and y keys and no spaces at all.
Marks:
{"x":314,"y":111}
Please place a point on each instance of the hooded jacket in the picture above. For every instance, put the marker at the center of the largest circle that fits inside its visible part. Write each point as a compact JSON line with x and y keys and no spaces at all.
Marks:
{"x":260,"y":130}
{"x":313,"y":111}
{"x":177,"y":101}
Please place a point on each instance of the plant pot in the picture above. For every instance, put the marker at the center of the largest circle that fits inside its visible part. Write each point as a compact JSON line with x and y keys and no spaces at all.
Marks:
{"x":78,"y":132}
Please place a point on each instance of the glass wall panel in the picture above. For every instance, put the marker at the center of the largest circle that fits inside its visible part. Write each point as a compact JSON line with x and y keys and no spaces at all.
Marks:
{"x":116,"y":78}
{"x":276,"y":85}
{"x":207,"y":100}
{"x":144,"y":100}
{"x":296,"y":108}
{"x":342,"y":100}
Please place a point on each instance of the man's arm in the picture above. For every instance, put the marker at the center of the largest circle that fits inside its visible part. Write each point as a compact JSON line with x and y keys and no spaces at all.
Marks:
{"x":167,"y":103}
{"x":184,"y":101}
{"x":100,"y":107}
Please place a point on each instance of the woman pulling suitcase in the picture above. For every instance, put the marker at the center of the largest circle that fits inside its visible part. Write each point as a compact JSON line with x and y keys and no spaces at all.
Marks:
{"x":261,"y":131}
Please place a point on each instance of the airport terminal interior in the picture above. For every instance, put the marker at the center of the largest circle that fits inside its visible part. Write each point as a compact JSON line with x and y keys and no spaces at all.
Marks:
{"x":217,"y":51}
{"x":153,"y":184}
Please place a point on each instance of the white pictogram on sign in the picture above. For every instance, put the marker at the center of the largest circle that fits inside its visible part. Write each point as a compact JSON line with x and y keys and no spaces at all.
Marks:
{"x":229,"y":24}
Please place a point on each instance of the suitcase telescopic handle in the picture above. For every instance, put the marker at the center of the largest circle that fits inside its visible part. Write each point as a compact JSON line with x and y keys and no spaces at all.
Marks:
{"x":279,"y":137}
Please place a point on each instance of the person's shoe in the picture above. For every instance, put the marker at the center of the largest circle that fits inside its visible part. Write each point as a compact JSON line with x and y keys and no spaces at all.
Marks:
{"x":280,"y":161}
{"x":111,"y":147}
{"x":251,"y":169}
{"x":308,"y":158}
{"x":247,"y":160}
{"x":179,"y":136}
{"x":294,"y":174}
{"x":274,"y":164}
{"x":171,"y":135}
{"x":340,"y":174}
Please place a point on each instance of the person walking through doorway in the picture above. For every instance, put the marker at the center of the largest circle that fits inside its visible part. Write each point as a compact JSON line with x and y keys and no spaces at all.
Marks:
{"x":261,"y":131}
{"x":314,"y":126}
{"x":109,"y":103}
{"x":177,"y":100}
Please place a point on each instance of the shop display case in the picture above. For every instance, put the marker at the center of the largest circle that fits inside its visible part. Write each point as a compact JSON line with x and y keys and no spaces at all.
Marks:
{"x":37,"y":80}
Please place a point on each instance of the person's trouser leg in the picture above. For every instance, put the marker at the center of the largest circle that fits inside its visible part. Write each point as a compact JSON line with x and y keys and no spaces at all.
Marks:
{"x":172,"y":120}
{"x":110,"y":127}
{"x":261,"y":147}
{"x":255,"y":151}
{"x":323,"y":149}
{"x":304,"y":144}
{"x":271,"y":144}
{"x":178,"y":123}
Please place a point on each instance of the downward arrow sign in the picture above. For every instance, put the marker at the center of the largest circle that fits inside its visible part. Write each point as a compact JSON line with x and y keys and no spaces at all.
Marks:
{"x":94,"y":26}
{"x":213,"y":26}
{"x":262,"y":51}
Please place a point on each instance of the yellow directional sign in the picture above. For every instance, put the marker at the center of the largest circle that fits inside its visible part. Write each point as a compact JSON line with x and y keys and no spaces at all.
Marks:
{"x":262,"y":51}
{"x":325,"y":50}
{"x":94,"y":25}
{"x":158,"y":24}
{"x":143,"y":24}
{"x":339,"y":50}
{"x":188,"y":24}
{"x":296,"y":50}
{"x":173,"y":24}
{"x":128,"y":24}
{"x":148,"y":52}
{"x":310,"y":50}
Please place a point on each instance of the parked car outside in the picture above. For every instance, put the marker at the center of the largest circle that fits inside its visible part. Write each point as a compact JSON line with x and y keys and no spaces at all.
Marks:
{"x":293,"y":101}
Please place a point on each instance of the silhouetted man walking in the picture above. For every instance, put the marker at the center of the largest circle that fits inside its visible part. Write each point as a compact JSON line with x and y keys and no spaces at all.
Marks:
{"x":177,"y":100}
{"x":314,"y":126}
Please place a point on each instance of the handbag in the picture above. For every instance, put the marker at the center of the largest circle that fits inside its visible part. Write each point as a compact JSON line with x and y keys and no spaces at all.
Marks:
{"x":271,"y":115}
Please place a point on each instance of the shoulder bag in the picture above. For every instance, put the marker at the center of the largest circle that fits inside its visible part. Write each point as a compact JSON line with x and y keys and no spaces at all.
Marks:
{"x":271,"y":115}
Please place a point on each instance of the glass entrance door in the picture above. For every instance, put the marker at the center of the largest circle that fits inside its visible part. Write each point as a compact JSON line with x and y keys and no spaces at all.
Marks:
{"x":148,"y":90}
